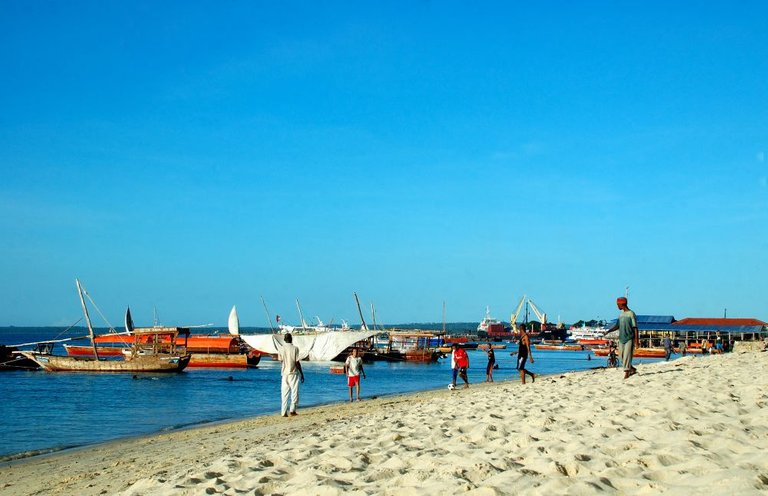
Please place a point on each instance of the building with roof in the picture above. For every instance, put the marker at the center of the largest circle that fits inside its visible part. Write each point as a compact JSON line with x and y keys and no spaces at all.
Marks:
{"x":654,"y":328}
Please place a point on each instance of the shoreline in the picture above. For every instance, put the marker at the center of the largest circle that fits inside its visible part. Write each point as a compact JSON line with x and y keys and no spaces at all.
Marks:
{"x":676,"y":426}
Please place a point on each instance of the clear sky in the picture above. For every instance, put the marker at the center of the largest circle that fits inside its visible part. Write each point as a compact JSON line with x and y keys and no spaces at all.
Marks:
{"x":188,"y":156}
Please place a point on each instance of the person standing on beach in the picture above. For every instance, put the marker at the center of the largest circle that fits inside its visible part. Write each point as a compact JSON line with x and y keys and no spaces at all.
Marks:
{"x":523,"y":352}
{"x":460,"y":364}
{"x":291,"y":374}
{"x":628,"y":336}
{"x":667,"y":348}
{"x":491,"y":363}
{"x":353,"y":367}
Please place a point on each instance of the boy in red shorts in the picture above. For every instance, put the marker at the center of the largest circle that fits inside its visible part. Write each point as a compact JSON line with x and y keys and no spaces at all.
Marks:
{"x":353,"y":367}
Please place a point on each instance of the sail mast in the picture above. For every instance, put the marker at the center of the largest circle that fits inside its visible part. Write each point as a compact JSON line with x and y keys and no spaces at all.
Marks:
{"x":301,"y":315}
{"x":269,"y":319}
{"x":359,"y":310}
{"x":87,"y":318}
{"x":443,"y":317}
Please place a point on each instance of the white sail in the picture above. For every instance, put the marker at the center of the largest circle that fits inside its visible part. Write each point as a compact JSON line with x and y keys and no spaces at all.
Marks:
{"x":320,"y":347}
{"x":234,"y":322}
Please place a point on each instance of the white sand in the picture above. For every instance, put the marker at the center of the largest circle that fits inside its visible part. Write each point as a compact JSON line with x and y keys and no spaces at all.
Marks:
{"x":695,"y":424}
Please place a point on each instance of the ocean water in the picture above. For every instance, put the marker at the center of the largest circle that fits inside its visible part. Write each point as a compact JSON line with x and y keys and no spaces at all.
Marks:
{"x":42,"y":412}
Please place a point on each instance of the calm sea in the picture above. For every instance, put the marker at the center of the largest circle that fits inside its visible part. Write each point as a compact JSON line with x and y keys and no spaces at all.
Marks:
{"x":42,"y":412}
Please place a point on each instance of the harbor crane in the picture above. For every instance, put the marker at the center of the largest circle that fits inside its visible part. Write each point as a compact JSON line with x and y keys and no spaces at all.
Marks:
{"x":516,"y":313}
{"x":539,"y":314}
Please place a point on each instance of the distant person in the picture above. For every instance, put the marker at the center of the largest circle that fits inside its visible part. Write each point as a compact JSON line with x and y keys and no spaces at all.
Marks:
{"x":523,"y":353}
{"x":291,"y":374}
{"x":613,"y":361}
{"x":459,"y":364}
{"x":628,"y":336}
{"x":667,"y":348}
{"x":491,"y":363}
{"x":353,"y":367}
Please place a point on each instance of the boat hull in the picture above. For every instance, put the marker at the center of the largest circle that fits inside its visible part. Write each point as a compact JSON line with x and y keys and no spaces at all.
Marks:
{"x":559,"y":347}
{"x":639,"y":352}
{"x":224,"y":360}
{"x":152,"y":363}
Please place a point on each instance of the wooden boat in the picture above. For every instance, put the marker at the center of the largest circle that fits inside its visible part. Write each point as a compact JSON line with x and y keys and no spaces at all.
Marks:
{"x":639,"y":352}
{"x":592,"y":342}
{"x":559,"y":347}
{"x":495,"y":346}
{"x":337,"y":369}
{"x":152,"y":350}
{"x":225,"y":360}
{"x":414,"y":346}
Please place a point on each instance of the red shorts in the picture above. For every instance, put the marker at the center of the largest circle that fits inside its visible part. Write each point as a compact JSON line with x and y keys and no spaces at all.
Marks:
{"x":353,"y":380}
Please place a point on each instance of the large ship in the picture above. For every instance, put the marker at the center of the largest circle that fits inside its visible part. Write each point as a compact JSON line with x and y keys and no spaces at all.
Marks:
{"x":491,"y":326}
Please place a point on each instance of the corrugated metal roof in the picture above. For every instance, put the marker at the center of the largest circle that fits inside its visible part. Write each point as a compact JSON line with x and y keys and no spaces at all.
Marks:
{"x":706,"y":321}
{"x":649,"y":319}
{"x":655,"y":319}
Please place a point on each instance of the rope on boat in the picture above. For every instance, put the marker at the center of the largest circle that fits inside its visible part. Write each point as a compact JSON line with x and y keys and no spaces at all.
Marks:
{"x":111,"y":328}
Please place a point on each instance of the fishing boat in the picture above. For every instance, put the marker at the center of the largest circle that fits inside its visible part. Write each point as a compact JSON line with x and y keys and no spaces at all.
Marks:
{"x":558,"y":347}
{"x":415,"y":346}
{"x":495,"y":346}
{"x":638,"y":353}
{"x":206,"y":350}
{"x":151,"y":350}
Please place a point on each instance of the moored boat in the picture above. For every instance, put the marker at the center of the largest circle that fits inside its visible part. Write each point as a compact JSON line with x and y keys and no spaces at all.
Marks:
{"x":638,"y":353}
{"x":147,"y":353}
{"x":558,"y":347}
{"x":495,"y":346}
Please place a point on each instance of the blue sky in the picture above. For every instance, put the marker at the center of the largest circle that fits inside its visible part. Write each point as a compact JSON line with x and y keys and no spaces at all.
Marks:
{"x":188,"y":156}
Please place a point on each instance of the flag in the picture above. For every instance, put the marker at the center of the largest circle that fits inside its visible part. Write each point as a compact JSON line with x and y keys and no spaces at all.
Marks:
{"x":277,"y":318}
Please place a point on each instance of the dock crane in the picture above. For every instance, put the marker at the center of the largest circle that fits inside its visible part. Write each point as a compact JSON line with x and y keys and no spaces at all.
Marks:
{"x":516,"y":313}
{"x":539,"y":314}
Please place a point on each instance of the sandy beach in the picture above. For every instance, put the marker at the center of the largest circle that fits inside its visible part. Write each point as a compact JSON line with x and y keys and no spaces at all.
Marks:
{"x":694,"y":424}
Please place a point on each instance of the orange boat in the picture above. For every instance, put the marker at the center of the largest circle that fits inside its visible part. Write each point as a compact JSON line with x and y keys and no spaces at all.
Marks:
{"x":195,"y":343}
{"x":225,"y":360}
{"x":455,"y":339}
{"x":592,"y":342}
{"x":639,"y":352}
{"x":79,"y":350}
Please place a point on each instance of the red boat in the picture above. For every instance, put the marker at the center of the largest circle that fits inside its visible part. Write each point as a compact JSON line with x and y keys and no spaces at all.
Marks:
{"x":639,"y":352}
{"x":209,"y":351}
{"x":592,"y":342}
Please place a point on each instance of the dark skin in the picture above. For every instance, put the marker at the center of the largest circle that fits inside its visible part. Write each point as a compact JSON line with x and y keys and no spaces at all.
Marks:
{"x":622,"y":305}
{"x":525,"y":339}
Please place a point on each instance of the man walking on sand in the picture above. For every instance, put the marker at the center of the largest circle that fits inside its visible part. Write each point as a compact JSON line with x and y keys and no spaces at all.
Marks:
{"x":353,"y":367}
{"x":523,"y":352}
{"x":628,"y":336}
{"x":290,"y":373}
